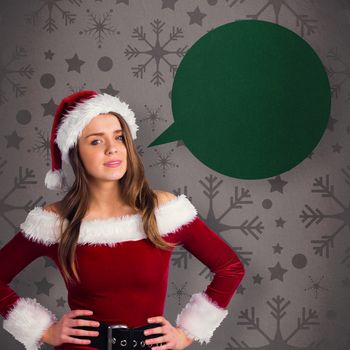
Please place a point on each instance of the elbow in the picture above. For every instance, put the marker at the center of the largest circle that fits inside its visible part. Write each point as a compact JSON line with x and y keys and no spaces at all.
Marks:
{"x":237,"y":269}
{"x":238,"y":266}
{"x":242,"y":270}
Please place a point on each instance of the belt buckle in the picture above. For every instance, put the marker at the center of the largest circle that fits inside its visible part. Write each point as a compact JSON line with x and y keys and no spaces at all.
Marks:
{"x":111,"y":340}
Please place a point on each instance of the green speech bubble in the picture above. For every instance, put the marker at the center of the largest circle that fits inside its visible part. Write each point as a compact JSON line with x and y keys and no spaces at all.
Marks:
{"x":251,"y":99}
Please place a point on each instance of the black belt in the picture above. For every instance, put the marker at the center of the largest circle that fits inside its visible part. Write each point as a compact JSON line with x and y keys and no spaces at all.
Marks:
{"x":119,"y":336}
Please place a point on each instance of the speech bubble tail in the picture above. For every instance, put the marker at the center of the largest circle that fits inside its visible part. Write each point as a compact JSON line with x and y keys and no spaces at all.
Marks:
{"x":169,"y":135}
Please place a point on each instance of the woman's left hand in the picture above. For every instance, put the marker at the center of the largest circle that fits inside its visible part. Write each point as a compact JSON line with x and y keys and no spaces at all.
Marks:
{"x":173,"y":337}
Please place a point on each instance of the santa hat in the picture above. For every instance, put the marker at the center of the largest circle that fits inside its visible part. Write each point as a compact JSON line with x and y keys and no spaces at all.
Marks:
{"x":72,"y":115}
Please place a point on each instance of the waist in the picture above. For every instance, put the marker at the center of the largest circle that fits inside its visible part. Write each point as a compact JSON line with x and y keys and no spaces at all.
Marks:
{"x":119,"y":336}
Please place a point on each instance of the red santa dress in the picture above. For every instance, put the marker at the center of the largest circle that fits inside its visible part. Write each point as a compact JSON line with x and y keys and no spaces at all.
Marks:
{"x":119,"y":267}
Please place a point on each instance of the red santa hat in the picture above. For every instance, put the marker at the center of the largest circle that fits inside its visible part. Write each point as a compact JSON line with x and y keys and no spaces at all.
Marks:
{"x":72,"y":115}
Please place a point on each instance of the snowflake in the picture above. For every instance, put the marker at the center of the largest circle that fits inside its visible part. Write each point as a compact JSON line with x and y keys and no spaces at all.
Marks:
{"x":316,"y":286}
{"x":7,"y":71}
{"x":340,"y":69}
{"x":278,"y":306}
{"x":42,"y":145}
{"x":24,"y":179}
{"x":153,"y":116}
{"x":157,"y":52}
{"x":311,"y":216}
{"x":251,"y":227}
{"x":302,"y":21}
{"x":164,"y":161}
{"x":100,"y":27}
{"x":179,"y":292}
{"x":51,"y":5}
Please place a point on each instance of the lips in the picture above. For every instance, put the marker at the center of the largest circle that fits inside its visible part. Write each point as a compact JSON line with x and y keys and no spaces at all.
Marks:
{"x":113,"y":162}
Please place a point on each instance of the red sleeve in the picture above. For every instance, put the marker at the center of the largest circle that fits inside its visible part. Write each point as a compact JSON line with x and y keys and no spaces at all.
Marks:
{"x":206,"y":310}
{"x":24,"y":318}
{"x":218,"y":256}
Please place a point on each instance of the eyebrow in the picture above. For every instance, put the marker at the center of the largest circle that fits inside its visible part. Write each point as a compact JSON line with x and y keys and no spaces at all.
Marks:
{"x":101,"y":133}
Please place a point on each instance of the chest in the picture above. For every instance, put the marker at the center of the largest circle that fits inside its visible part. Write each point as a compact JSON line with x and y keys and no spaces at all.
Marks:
{"x":130,"y":264}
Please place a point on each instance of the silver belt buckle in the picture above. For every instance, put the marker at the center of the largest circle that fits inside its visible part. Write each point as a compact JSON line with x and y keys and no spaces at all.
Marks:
{"x":111,"y":340}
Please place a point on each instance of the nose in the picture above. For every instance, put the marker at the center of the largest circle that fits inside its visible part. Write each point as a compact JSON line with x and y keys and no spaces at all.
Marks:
{"x":112,"y":148}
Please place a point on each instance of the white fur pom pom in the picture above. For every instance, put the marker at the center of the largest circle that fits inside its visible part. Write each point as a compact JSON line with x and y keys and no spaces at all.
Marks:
{"x":54,"y":180}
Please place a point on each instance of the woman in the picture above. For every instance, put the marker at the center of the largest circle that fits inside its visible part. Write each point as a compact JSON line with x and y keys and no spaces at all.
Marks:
{"x":111,"y":236}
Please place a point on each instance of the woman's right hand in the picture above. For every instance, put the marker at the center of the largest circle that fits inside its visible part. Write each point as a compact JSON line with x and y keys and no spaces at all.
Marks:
{"x":61,"y":331}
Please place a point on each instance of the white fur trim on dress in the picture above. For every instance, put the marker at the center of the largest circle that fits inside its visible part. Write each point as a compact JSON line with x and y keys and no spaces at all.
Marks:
{"x":200,"y":317}
{"x":44,"y":227}
{"x":74,"y":121}
{"x":27,"y":322}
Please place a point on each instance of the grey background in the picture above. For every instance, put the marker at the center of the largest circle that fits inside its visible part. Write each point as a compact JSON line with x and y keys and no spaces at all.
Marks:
{"x":291,"y":297}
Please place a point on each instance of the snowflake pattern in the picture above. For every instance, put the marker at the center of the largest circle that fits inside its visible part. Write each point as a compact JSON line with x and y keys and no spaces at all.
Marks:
{"x":278,"y":306}
{"x":164,"y":161}
{"x":157,"y":52}
{"x":339,"y":72}
{"x":306,"y":24}
{"x":153,"y":116}
{"x":24,"y":179}
{"x":311,"y":216}
{"x":53,"y":6}
{"x":179,"y":292}
{"x":8,"y":72}
{"x":100,"y":27}
{"x":316,"y":286}
{"x":42,"y":145}
{"x":253,"y":228}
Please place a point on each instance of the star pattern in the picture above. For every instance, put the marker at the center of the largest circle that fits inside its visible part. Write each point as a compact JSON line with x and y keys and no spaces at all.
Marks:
{"x":277,"y":272}
{"x":60,"y":302}
{"x":277,"y":184}
{"x":13,"y":140}
{"x":277,"y":249}
{"x":74,"y":63}
{"x":49,"y":107}
{"x":43,"y":287}
{"x":280,"y":222}
{"x":49,"y":55}
{"x":257,"y":279}
{"x":196,"y":16}
{"x":110,"y":90}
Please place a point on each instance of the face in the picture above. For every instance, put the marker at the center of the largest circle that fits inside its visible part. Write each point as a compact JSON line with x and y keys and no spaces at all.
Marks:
{"x":96,"y":150}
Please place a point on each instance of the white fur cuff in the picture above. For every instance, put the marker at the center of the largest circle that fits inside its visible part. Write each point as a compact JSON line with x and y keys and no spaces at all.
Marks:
{"x":200,"y":317}
{"x":27,"y":322}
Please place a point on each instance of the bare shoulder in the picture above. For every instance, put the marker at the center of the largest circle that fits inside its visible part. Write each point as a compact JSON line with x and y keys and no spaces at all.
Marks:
{"x":164,"y":197}
{"x":53,"y":207}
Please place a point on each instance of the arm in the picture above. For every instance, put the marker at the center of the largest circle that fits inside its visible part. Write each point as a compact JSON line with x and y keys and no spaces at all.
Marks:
{"x":24,"y":318}
{"x":206,"y":310}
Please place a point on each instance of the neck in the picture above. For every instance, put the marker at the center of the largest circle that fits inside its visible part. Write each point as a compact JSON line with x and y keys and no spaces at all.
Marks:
{"x":104,"y":196}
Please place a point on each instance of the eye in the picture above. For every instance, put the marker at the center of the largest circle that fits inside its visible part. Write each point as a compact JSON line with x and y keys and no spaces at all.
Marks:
{"x":92,"y":142}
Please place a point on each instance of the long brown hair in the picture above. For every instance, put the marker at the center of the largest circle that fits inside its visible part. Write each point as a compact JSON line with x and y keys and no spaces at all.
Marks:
{"x":134,"y":190}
